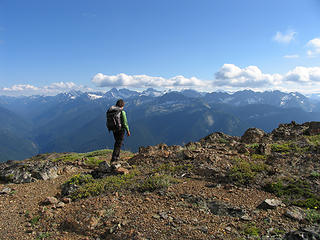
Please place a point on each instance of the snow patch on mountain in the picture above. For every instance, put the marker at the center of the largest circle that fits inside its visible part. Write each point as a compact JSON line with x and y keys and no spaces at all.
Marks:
{"x":94,"y":96}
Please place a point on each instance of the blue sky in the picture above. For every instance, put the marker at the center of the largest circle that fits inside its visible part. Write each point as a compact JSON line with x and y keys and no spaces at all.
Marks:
{"x":51,"y":46}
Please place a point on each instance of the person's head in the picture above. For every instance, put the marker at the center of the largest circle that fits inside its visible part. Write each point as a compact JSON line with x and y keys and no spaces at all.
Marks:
{"x":120,"y":103}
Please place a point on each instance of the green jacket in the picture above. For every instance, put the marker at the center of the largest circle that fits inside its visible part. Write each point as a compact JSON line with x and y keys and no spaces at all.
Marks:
{"x":125,"y":124}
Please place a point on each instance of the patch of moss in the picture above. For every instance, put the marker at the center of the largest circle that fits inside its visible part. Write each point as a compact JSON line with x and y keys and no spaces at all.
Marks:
{"x":244,"y":171}
{"x":298,"y":193}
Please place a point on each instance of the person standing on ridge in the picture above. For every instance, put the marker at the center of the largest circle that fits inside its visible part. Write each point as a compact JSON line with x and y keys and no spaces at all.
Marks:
{"x":117,"y":123}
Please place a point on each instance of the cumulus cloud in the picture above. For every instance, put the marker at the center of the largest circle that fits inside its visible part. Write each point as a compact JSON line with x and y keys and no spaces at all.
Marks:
{"x":303,"y":75}
{"x":231,"y":77}
{"x":52,"y":89}
{"x":284,"y":37}
{"x":145,"y":81}
{"x":251,"y":76}
{"x":314,"y":47}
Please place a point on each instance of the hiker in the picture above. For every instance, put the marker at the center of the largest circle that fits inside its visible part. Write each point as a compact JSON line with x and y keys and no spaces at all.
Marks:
{"x":118,"y":124}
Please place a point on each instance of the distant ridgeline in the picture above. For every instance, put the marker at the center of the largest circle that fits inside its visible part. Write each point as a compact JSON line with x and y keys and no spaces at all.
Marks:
{"x":75,"y":121}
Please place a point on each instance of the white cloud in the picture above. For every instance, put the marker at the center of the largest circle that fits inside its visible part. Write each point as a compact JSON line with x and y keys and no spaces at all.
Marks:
{"x":21,"y":87}
{"x":314,"y":47}
{"x":52,"y":89}
{"x":284,"y":37}
{"x":251,"y":76}
{"x":303,"y":75}
{"x":291,"y":56}
{"x":145,"y":81}
{"x":302,"y":79}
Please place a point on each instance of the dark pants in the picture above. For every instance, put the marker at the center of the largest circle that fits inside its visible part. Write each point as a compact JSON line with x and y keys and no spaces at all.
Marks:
{"x":118,"y":138}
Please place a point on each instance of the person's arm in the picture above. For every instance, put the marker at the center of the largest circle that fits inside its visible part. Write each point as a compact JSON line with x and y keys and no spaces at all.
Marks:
{"x":125,"y":122}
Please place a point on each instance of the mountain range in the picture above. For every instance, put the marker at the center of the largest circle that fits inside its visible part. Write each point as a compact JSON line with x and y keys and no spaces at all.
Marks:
{"x":75,"y":121}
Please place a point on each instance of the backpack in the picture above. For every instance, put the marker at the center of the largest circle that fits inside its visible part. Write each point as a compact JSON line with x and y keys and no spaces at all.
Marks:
{"x":113,"y":118}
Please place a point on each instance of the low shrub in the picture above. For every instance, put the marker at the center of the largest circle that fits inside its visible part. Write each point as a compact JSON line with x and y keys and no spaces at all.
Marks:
{"x":297,"y":193}
{"x":156,"y":182}
{"x":244,"y":171}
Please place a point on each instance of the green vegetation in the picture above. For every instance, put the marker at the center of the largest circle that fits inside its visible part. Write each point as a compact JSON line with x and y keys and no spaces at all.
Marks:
{"x":244,"y":171}
{"x":223,"y":140}
{"x":251,"y":230}
{"x":170,"y":168}
{"x":87,"y":186}
{"x":314,"y":140}
{"x":91,"y":159}
{"x":35,"y":220}
{"x":80,"y":179}
{"x":282,"y":148}
{"x":94,"y":187}
{"x":313,"y":215}
{"x":156,"y":182}
{"x":287,"y":147}
{"x":43,"y":235}
{"x":253,"y":147}
{"x":27,"y":214}
{"x":258,"y":157}
{"x":315,"y":175}
{"x":298,"y":193}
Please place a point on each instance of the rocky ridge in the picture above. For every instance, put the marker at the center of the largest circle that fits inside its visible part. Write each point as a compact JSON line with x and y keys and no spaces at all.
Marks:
{"x":257,"y":186}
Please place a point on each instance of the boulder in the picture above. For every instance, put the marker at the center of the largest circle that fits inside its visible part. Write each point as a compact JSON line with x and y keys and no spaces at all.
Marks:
{"x":253,"y":135}
{"x":50,"y":201}
{"x":295,"y":213}
{"x":223,"y":209}
{"x":307,"y":233}
{"x":5,"y":190}
{"x":270,"y":204}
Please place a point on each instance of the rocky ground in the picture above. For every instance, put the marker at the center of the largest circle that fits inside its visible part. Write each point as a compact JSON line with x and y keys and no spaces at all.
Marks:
{"x":258,"y":186}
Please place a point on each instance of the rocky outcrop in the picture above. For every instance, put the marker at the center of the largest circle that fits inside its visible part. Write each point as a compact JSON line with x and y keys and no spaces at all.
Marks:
{"x":253,"y":135}
{"x":24,"y":172}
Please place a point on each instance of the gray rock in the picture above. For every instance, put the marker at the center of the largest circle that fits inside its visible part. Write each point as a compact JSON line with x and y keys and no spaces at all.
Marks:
{"x":6,"y":190}
{"x":307,"y":233}
{"x":270,"y":204}
{"x":50,"y":200}
{"x":253,"y":135}
{"x":264,"y":149}
{"x":50,"y":173}
{"x":104,"y":167}
{"x":295,"y":213}
{"x":28,"y":171}
{"x":223,"y":209}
